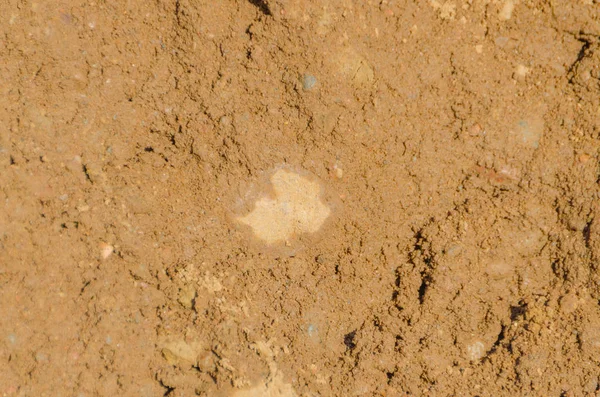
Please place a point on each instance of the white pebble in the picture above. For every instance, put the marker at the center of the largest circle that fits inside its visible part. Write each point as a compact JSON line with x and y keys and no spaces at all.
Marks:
{"x":106,"y":250}
{"x":475,"y":351}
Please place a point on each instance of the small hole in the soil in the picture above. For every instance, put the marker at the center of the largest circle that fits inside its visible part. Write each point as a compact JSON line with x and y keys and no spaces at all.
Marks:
{"x":349,"y":340}
{"x":499,"y":340}
{"x":587,"y":233}
{"x":149,"y":149}
{"x":423,"y":288}
{"x":262,"y":6}
{"x":517,"y":311}
{"x":12,"y":160}
{"x":168,"y":389}
{"x":398,"y":343}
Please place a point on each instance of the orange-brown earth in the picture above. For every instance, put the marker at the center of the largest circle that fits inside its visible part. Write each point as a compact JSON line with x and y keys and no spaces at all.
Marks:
{"x":300,"y":198}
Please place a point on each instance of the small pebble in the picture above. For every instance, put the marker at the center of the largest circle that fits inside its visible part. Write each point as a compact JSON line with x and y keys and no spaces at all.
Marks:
{"x":475,"y":130}
{"x":106,"y":250}
{"x":453,"y":250}
{"x":337,"y":171}
{"x":225,"y":121}
{"x":475,"y":351}
{"x":308,"y":82}
{"x":507,"y":9}
{"x":521,"y":72}
{"x":206,"y":361}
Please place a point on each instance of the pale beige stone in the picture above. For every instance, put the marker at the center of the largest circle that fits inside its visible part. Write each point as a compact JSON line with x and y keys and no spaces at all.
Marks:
{"x":476,"y":350}
{"x":506,"y":11}
{"x":177,"y":351}
{"x":296,"y":208}
{"x":106,"y":250}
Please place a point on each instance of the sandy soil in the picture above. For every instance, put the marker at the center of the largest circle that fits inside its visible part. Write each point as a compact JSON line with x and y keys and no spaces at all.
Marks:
{"x":300,"y":198}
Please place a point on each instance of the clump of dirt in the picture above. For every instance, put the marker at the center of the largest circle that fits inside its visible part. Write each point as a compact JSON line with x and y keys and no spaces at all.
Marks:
{"x":300,"y":198}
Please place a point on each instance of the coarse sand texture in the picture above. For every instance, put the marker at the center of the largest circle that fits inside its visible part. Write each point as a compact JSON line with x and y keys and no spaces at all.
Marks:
{"x":300,"y":198}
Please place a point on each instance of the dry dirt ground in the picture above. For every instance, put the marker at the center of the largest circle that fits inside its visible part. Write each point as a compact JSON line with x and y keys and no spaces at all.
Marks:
{"x":299,"y":198}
